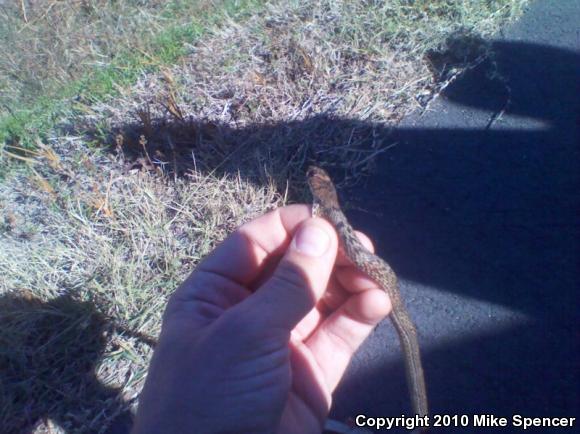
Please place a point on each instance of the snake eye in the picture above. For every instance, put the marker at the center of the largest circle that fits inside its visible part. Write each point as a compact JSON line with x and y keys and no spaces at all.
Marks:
{"x":312,"y":171}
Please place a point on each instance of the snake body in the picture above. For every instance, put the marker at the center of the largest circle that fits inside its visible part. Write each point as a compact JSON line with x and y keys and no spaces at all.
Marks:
{"x":326,"y":205}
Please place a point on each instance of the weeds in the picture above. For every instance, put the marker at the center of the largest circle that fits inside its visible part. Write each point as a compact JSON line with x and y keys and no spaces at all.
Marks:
{"x":57,"y":57}
{"x":189,"y":135}
{"x":121,"y":241}
{"x":306,"y":63}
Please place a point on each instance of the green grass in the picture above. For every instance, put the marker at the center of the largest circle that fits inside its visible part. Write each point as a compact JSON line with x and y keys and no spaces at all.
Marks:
{"x":27,"y":115}
{"x":91,"y":247}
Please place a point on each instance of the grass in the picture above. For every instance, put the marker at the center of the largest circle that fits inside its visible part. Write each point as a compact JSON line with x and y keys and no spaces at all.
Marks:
{"x":295,"y":62}
{"x":147,"y":136}
{"x":87,"y":51}
{"x":90,"y":255}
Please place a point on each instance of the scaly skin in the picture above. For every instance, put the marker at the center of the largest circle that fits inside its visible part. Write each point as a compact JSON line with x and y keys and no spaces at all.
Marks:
{"x":326,"y":204}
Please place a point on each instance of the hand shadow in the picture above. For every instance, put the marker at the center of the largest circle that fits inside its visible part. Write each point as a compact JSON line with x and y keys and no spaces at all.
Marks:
{"x":48,"y":355}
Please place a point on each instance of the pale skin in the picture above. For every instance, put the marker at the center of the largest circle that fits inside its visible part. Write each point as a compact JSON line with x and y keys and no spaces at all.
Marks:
{"x":258,"y":337}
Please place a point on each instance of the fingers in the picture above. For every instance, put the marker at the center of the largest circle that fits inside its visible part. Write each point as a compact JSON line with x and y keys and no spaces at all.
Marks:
{"x":300,"y":278}
{"x":245,"y":257}
{"x":341,"y":334}
{"x":342,"y":260}
{"x":345,"y":281}
{"x":222,"y":279}
{"x":346,"y":278}
{"x":241,"y":256}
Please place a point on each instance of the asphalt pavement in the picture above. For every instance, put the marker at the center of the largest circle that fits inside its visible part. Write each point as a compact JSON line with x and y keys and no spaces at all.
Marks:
{"x":476,"y":208}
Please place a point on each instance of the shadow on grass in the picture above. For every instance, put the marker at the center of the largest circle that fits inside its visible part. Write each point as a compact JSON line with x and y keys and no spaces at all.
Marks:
{"x":488,"y":214}
{"x":48,"y":356}
{"x":482,"y":210}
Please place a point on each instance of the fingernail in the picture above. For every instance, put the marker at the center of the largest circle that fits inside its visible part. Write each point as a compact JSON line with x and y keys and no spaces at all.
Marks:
{"x":311,"y":240}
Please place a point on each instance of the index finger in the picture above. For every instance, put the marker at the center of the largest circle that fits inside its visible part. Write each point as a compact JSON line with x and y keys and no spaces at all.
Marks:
{"x":242,"y":256}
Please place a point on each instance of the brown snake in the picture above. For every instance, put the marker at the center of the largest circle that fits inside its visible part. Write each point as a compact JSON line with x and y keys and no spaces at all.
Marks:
{"x":326,"y":205}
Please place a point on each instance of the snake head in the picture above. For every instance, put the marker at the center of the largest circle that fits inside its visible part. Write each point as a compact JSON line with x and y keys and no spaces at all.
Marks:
{"x":317,"y":172}
{"x":322,"y":187}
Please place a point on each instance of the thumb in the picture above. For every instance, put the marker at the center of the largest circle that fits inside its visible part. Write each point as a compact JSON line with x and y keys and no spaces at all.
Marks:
{"x":300,"y":278}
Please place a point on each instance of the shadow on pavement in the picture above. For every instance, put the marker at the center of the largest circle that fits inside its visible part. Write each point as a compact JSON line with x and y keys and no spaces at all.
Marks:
{"x":487,"y":214}
{"x":490,"y":214}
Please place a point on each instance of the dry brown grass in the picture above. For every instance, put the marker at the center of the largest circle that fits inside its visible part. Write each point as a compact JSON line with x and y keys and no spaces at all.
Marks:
{"x":114,"y":243}
{"x":45,"y":44}
{"x":93,"y":241}
{"x":301,"y":65}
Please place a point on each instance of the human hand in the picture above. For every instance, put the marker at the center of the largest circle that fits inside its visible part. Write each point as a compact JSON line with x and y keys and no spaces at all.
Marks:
{"x":260,"y":334}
